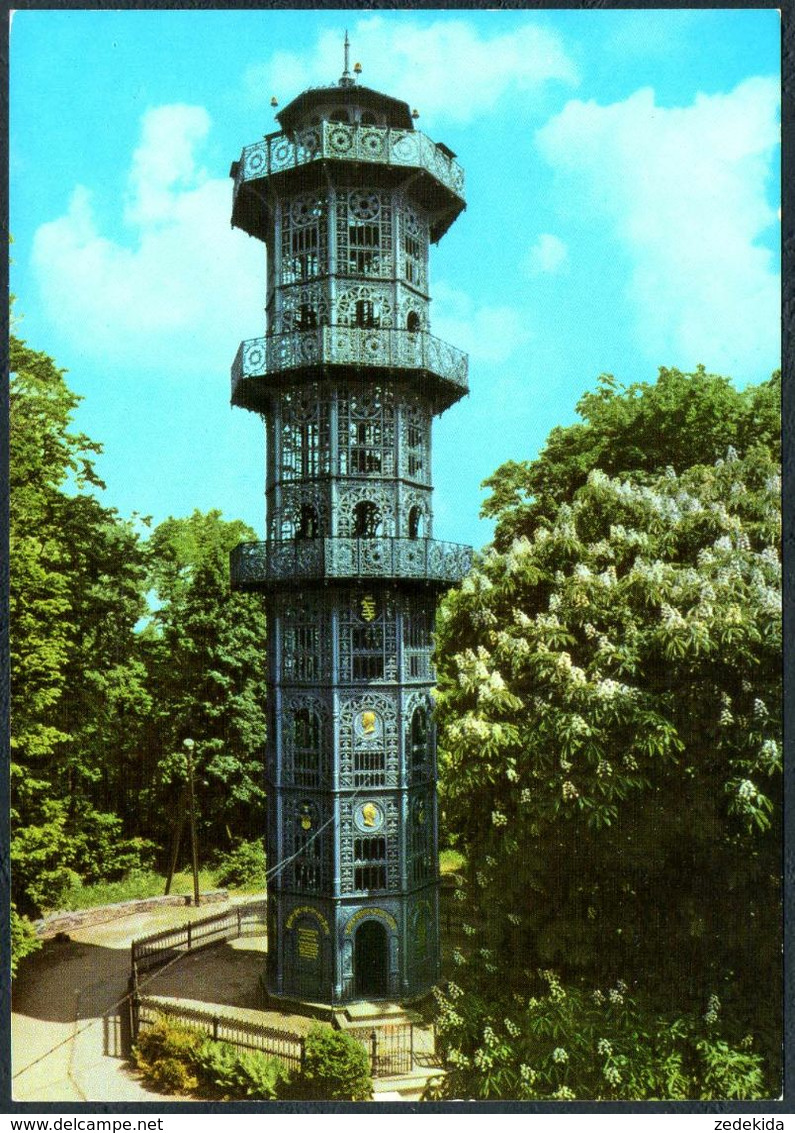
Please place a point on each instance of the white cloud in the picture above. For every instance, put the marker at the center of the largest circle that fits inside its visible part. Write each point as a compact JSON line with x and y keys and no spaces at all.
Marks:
{"x":684,"y":190}
{"x":446,"y":68}
{"x":547,"y":256}
{"x":485,"y":333}
{"x":177,"y":292}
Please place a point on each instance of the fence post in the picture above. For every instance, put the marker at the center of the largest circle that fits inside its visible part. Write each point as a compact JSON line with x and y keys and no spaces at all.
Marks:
{"x":374,"y":1052}
{"x":189,"y":936}
{"x":135,"y":1015}
{"x":215,"y":1027}
{"x":411,"y":1043}
{"x":239,"y":922}
{"x":302,"y":1042}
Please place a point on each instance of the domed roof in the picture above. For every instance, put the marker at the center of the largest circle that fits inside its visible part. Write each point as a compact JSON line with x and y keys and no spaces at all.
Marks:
{"x":394,"y":111}
{"x":345,"y":95}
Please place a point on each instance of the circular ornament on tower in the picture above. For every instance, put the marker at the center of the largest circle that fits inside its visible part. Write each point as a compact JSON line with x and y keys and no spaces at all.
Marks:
{"x":368,"y":817}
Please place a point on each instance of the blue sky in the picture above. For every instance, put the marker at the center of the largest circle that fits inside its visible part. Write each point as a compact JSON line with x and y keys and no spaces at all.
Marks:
{"x":623,"y":192}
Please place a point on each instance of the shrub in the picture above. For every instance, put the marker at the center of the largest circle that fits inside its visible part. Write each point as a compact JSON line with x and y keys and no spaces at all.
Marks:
{"x":240,"y":1074}
{"x":242,"y":866}
{"x":167,"y":1053}
{"x":23,"y":939}
{"x":335,"y":1068}
{"x":178,"y":1059}
{"x":564,"y":1043}
{"x":172,"y":1076}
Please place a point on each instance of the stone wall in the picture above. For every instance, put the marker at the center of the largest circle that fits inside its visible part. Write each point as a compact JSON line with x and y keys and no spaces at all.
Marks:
{"x":54,"y":923}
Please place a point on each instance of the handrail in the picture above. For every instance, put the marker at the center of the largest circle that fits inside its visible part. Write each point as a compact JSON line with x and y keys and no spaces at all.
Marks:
{"x":343,"y":345}
{"x":343,"y":142}
{"x":253,"y":564}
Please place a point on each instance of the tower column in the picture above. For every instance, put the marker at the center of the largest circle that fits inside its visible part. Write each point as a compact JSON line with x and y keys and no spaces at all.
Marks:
{"x":347,"y":197}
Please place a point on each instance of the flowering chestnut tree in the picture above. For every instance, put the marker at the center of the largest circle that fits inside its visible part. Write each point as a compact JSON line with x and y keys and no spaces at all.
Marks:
{"x":610,"y":718}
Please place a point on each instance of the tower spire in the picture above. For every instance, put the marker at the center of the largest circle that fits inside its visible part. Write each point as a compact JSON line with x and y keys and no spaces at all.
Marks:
{"x":346,"y":80}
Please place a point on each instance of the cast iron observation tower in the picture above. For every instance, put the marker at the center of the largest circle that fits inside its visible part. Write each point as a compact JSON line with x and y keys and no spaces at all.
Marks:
{"x":347,"y":196}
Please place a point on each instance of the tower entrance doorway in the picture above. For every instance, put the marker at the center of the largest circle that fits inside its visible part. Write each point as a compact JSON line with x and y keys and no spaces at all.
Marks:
{"x":371,"y":960}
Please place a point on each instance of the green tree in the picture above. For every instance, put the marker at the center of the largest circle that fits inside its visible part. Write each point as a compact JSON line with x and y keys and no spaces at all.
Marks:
{"x":207,"y":676}
{"x":76,"y":593}
{"x":563,"y":1043}
{"x":610,"y":731}
{"x":679,"y":420}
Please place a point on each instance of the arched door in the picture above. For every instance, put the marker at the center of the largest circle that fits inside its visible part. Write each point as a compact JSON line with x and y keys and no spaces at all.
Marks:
{"x":371,"y":960}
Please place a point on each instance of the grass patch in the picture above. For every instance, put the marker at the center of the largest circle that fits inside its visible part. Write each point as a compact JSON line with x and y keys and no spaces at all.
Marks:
{"x":132,"y":888}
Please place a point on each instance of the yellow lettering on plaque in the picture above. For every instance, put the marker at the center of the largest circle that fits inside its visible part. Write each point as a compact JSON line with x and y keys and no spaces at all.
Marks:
{"x":308,"y":943}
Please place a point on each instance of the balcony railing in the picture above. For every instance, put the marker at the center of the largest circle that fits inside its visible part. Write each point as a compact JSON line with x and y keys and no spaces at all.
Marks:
{"x":351,"y":346}
{"x":258,"y":566}
{"x":336,"y":140}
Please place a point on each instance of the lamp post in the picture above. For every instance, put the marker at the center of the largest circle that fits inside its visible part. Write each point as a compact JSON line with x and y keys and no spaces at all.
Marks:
{"x":189,"y":745}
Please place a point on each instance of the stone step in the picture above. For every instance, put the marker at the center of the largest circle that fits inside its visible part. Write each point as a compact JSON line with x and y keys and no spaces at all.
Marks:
{"x":404,"y":1087}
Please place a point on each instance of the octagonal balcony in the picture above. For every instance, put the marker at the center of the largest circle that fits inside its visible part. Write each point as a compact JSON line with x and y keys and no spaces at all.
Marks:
{"x":262,"y":363}
{"x":439,"y":179}
{"x":293,"y":562}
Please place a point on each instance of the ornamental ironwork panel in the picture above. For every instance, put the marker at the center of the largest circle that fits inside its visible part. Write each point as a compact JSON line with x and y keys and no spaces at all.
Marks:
{"x":254,"y":564}
{"x":335,"y":140}
{"x":349,"y":346}
{"x":349,"y":378}
{"x":369,"y":740}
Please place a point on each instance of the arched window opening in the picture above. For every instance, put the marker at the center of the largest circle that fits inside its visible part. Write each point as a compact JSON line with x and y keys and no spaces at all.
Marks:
{"x":309,"y":523}
{"x":419,"y":738}
{"x":367,"y":315}
{"x":415,"y":522}
{"x":339,"y":116}
{"x":413,"y":321}
{"x":307,"y":863}
{"x":306,"y":736}
{"x":419,"y":843}
{"x":367,"y":118}
{"x":367,"y":521}
{"x":307,"y":317}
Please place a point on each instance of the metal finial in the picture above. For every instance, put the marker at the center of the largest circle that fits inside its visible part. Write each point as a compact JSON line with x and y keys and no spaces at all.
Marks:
{"x":346,"y":80}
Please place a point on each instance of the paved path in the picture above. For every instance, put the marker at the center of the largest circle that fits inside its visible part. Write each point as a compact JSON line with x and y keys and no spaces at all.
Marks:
{"x":69,"y":1009}
{"x":65,"y":1027}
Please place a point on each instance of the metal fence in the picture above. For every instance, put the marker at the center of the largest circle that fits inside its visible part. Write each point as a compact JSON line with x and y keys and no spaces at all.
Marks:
{"x":287,"y":1046}
{"x":151,"y":952}
{"x":390,"y":1048}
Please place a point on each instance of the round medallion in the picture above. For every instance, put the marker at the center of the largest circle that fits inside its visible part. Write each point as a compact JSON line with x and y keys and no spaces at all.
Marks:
{"x":367,"y":725}
{"x":364,"y":205}
{"x":368,"y":817}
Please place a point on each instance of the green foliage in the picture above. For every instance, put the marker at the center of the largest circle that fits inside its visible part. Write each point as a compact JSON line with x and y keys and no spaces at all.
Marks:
{"x":242,"y":866}
{"x":167,"y":1053}
{"x":678,"y":421}
{"x":171,"y":1076}
{"x":100,"y":705}
{"x":204,"y":653}
{"x":335,"y":1068}
{"x":241,"y":1074}
{"x":179,"y":1059}
{"x":76,"y":594}
{"x":563,"y":1044}
{"x":134,"y":886}
{"x":23,"y":940}
{"x":451,"y":861}
{"x":610,"y":719}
